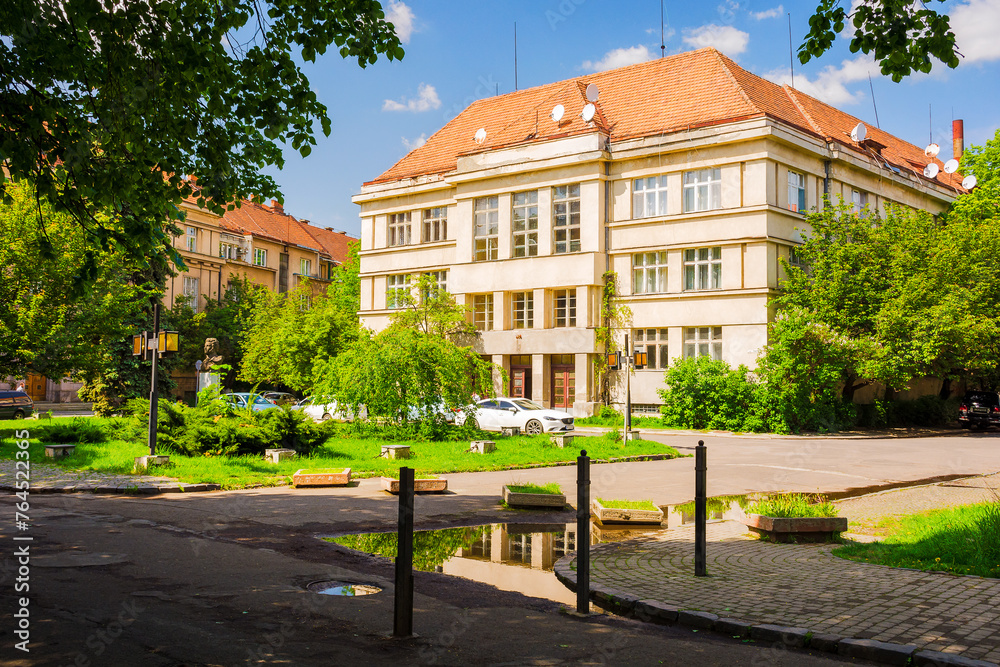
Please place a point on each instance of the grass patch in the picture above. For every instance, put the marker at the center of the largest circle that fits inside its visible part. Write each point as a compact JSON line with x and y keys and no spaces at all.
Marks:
{"x":618,"y":421}
{"x":961,"y":540}
{"x":628,"y":504}
{"x":792,"y":505}
{"x":552,"y":488}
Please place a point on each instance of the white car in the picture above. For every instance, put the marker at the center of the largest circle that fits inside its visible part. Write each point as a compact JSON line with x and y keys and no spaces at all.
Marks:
{"x":494,"y":414}
{"x":322,"y":409}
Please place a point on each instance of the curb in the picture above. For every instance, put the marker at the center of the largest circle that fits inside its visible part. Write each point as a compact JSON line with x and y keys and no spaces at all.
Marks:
{"x":654,"y":611}
{"x":130,"y":489}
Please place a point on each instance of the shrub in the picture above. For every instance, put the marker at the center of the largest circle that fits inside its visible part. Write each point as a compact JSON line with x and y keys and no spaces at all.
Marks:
{"x":705,"y":394}
{"x":76,"y":431}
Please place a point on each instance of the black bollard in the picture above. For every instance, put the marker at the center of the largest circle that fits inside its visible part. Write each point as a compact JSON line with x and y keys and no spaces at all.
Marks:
{"x":402,"y":625}
{"x":583,"y":533}
{"x":700,"y":503}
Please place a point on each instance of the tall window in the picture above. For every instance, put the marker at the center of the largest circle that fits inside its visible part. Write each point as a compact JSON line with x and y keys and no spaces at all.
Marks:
{"x":191,"y":291}
{"x":566,"y":217}
{"x":797,"y":192}
{"x":649,"y":197}
{"x":703,"y":268}
{"x":440,"y":286}
{"x":260,"y":256}
{"x":523,"y":306}
{"x":435,"y":224}
{"x":399,"y":229}
{"x":486,"y":211}
{"x":482,"y":312}
{"x":227,"y":250}
{"x":192,"y":239}
{"x":859,"y":199}
{"x":305,"y":267}
{"x":564,"y":303}
{"x":702,"y":190}
{"x":655,"y":342}
{"x":524,"y":224}
{"x":397,"y":288}
{"x":703,"y":342}
{"x":649,"y":272}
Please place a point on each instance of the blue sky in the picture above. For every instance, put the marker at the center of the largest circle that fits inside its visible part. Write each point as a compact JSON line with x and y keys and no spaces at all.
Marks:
{"x":457,"y":52}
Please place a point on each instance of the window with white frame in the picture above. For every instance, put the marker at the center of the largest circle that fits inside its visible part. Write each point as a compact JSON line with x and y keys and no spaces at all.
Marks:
{"x":649,"y":197}
{"x":566,"y":218}
{"x":399,"y":229}
{"x":260,"y":256}
{"x":191,"y":292}
{"x":305,"y":267}
{"x":655,"y":343}
{"x":795,"y":258}
{"x":435,"y":224}
{"x":227,"y":250}
{"x":192,"y":239}
{"x":649,"y":272}
{"x":796,"y":192}
{"x":397,"y":288}
{"x":524,"y":224}
{"x":440,"y":285}
{"x":482,"y":312}
{"x":703,"y":342}
{"x":703,"y":268}
{"x":564,"y":308}
{"x":486,"y":211}
{"x":523,"y":309}
{"x":702,"y":190}
{"x":859,"y":200}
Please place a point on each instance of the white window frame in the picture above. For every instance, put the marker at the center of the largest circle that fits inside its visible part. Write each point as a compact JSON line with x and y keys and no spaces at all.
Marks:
{"x":482,"y":312}
{"x":796,"y":191}
{"x":486,"y":228}
{"x":395,"y":285}
{"x":522,"y":307}
{"x":702,"y":190}
{"x":657,"y":350}
{"x":399,"y":229}
{"x":440,"y":282}
{"x":566,"y":219}
{"x":702,"y":268}
{"x":649,"y":272}
{"x":649,"y":197}
{"x":524,"y":224}
{"x":859,"y":200}
{"x":703,"y":342}
{"x":564,"y":308}
{"x":192,"y":288}
{"x":305,"y":267}
{"x":260,"y":256}
{"x":435,"y":227}
{"x":192,"y":239}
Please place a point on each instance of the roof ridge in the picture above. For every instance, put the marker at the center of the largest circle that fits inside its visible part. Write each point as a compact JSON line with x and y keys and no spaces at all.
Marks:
{"x":798,"y":105}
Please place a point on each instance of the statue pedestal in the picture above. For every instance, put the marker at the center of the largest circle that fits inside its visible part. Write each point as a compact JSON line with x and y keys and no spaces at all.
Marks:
{"x":207,"y":380}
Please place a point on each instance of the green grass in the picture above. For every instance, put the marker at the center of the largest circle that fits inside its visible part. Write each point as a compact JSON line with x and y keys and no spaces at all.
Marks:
{"x":961,"y":540}
{"x":638,"y":421}
{"x":551,"y":488}
{"x":360,"y":455}
{"x":628,"y":504}
{"x":792,"y":505}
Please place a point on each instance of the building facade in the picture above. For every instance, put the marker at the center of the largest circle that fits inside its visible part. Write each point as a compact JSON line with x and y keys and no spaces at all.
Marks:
{"x":688,"y":177}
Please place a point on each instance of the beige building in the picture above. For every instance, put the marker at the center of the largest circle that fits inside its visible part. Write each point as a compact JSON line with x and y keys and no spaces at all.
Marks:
{"x":687,"y":176}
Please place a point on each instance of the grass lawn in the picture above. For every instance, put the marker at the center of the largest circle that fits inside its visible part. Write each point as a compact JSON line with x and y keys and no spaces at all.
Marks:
{"x":962,"y":540}
{"x":638,"y":421}
{"x":792,"y":505}
{"x":550,"y":489}
{"x":628,"y":504}
{"x":360,"y":455}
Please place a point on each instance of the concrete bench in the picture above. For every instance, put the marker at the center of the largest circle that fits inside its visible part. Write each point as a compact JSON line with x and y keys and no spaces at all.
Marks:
{"x":58,"y":451}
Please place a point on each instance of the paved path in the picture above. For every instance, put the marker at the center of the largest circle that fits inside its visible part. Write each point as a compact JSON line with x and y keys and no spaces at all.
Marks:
{"x":52,"y":478}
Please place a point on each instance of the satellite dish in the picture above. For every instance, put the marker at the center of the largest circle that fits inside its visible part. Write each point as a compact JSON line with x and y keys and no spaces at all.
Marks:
{"x":588,"y":113}
{"x":931,"y":170}
{"x":951,"y":166}
{"x":932,"y":150}
{"x":557,"y":112}
{"x":969,"y":182}
{"x":859,"y":133}
{"x":592,"y":92}
{"x":480,"y":135}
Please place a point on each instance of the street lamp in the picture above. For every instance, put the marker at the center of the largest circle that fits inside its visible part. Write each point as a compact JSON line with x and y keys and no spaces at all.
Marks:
{"x":152,"y":344}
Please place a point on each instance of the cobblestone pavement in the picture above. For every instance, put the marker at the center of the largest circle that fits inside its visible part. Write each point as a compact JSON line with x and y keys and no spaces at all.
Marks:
{"x":48,"y":477}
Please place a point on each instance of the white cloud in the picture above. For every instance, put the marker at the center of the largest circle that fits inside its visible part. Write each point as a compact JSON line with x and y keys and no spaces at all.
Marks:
{"x":427,"y":99}
{"x":975,"y":26}
{"x":415,"y":143}
{"x":772,"y":13}
{"x":401,"y":17}
{"x":725,"y":38}
{"x":831,"y":84}
{"x":619,"y":58}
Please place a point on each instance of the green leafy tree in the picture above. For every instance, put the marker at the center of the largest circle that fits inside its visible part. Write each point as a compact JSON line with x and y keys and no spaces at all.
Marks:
{"x":431,"y":310}
{"x":105,"y":105}
{"x":704,"y":393}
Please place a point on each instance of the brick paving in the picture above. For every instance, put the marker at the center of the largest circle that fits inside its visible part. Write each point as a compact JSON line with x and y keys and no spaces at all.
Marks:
{"x":46,"y":477}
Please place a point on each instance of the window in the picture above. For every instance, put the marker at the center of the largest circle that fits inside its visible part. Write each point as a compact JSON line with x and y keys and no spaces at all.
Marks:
{"x":564,"y":303}
{"x":260,"y":256}
{"x":703,"y":268}
{"x":482,"y":312}
{"x":649,"y":197}
{"x":702,"y":190}
{"x":192,"y":239}
{"x":524,"y":223}
{"x":397,"y":288}
{"x":305,"y":267}
{"x":859,"y":199}
{"x":399,"y":229}
{"x":794,"y":258}
{"x":486,"y":211}
{"x":796,"y":192}
{"x":703,"y":342}
{"x":435,"y":224}
{"x":440,"y":286}
{"x":566,"y":218}
{"x":655,"y":342}
{"x":523,"y":304}
{"x":228,"y":250}
{"x":191,"y":292}
{"x":649,"y":272}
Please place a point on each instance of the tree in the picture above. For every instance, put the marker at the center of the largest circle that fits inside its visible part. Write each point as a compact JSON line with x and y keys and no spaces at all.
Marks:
{"x":902,"y":35}
{"x":105,"y":105}
{"x":431,"y":310}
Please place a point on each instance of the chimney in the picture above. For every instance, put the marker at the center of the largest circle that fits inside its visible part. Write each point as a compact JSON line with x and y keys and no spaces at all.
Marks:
{"x":276,"y":206}
{"x":329,"y":229}
{"x":957,"y":139}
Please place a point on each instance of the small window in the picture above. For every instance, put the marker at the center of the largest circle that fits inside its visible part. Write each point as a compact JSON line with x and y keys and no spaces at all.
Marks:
{"x":399,"y":229}
{"x":566,"y":218}
{"x":435,"y":224}
{"x":702,"y":190}
{"x":440,"y":286}
{"x":486,"y":211}
{"x":524,"y":224}
{"x":191,"y":290}
{"x":703,"y":268}
{"x":397,"y":287}
{"x":260,"y":256}
{"x":859,"y":200}
{"x":482,"y":312}
{"x":655,"y":343}
{"x":649,"y":197}
{"x":703,"y":342}
{"x":305,"y":267}
{"x":192,"y":239}
{"x":523,"y":306}
{"x":649,"y":272}
{"x":796,"y":192}
{"x":564,"y":303}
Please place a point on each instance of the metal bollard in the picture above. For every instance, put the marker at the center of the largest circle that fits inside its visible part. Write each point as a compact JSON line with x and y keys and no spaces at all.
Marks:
{"x":402,"y":625}
{"x":583,"y":533}
{"x":700,"y":507}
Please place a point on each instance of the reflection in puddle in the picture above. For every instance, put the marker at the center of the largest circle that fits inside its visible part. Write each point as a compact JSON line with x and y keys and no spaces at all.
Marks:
{"x":342,"y":588}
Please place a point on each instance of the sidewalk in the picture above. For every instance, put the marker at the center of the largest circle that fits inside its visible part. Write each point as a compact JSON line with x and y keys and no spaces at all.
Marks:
{"x":804,"y":586}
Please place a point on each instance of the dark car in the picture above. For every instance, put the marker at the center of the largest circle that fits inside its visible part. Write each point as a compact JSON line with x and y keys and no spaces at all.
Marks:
{"x":15,"y":405}
{"x":979,"y":409}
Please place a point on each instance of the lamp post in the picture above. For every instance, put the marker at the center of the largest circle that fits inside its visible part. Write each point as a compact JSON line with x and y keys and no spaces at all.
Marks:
{"x":154,"y":343}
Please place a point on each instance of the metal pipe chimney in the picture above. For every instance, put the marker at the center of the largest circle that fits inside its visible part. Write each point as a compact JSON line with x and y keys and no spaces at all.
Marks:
{"x":957,"y":139}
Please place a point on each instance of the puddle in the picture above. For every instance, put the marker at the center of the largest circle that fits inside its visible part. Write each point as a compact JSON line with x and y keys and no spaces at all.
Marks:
{"x":342,"y":588}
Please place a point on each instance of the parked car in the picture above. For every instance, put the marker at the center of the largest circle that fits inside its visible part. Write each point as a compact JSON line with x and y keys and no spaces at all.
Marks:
{"x":494,"y":414}
{"x":15,"y":405}
{"x":280,"y":397}
{"x":979,"y":409}
{"x":416,"y":413}
{"x":242,"y":399}
{"x":324,"y":408}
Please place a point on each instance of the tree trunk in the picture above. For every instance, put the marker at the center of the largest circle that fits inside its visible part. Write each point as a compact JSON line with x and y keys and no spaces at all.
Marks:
{"x":945,"y":389}
{"x":890,"y":394}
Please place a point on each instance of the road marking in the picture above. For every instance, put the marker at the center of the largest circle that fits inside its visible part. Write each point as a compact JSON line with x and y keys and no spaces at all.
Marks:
{"x":824,"y":472}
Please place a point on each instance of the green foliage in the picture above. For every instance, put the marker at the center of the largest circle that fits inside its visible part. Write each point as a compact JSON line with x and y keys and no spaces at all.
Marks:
{"x":550,"y":489}
{"x":431,"y":310}
{"x":75,"y":431}
{"x":431,"y":548}
{"x":792,"y":505}
{"x":904,"y":36}
{"x":614,"y":316}
{"x":702,"y":393}
{"x":923,"y":411}
{"x":628,"y":504}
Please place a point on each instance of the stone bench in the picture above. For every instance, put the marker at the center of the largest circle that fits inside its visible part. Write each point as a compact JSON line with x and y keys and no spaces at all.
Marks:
{"x":143,"y":463}
{"x":58,"y":451}
{"x":482,"y":446}
{"x":322,"y":477}
{"x":395,"y":452}
{"x":278,"y":455}
{"x":509,"y":431}
{"x":561,"y":441}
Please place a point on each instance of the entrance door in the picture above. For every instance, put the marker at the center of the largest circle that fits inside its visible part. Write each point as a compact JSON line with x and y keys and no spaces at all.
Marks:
{"x":563,"y":381}
{"x":35,"y":387}
{"x":520,"y":376}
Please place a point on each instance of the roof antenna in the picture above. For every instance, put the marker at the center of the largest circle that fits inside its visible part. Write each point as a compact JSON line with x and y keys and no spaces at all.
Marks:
{"x":930,"y":124}
{"x":663,"y":45}
{"x":791,"y":60}
{"x":872,"y":88}
{"x":515,"y":55}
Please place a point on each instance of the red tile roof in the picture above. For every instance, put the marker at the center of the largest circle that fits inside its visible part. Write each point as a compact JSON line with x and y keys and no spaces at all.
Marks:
{"x":694,"y":89}
{"x":273,"y":223}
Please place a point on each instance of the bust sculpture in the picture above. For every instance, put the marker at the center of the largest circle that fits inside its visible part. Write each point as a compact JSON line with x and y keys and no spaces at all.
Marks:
{"x":213,"y":355}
